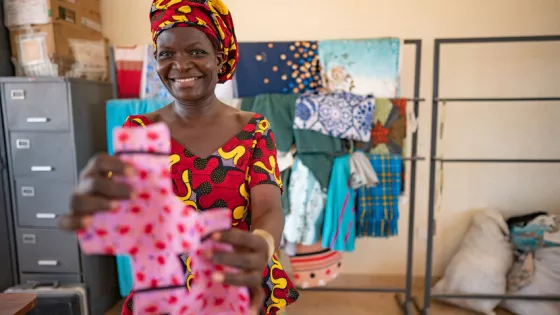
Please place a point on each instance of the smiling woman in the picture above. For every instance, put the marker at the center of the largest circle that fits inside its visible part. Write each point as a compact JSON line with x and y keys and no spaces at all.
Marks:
{"x":220,"y":156}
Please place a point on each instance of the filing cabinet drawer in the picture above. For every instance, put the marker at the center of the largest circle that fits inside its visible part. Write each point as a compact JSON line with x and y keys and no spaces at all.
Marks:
{"x":49,"y":278}
{"x":37,"y":106}
{"x":41,"y":202}
{"x":47,"y":250}
{"x":42,"y":155}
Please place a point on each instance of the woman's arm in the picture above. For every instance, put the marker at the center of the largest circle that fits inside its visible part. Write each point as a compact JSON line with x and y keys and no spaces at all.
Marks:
{"x":267,"y":210}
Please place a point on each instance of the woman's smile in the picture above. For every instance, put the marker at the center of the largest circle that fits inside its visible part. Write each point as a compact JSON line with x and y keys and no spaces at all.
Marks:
{"x":183,"y":83}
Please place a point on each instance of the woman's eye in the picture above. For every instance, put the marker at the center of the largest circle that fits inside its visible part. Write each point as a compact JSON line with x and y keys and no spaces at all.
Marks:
{"x":197,"y":52}
{"x":164,"y":54}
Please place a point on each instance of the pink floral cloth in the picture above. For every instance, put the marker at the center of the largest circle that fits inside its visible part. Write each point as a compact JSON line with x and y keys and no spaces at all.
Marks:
{"x":154,"y":227}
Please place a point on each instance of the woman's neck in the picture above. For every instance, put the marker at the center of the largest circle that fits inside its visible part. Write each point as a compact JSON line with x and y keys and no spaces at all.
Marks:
{"x":200,"y":110}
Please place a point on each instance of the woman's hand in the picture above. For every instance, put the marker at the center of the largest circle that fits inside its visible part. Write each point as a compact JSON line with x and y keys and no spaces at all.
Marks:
{"x":96,"y":191}
{"x":250,"y":257}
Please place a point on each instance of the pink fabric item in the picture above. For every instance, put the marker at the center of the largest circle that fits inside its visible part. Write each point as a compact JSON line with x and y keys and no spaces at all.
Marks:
{"x":155,"y":227}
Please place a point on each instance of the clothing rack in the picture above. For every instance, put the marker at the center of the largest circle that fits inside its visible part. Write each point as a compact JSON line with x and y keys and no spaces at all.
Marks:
{"x":434,"y":159}
{"x":406,"y":302}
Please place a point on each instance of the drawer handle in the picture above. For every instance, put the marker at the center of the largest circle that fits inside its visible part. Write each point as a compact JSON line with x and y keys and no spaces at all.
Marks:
{"x":45,"y":216}
{"x":27,"y":191}
{"x":37,"y":119}
{"x":47,"y":263}
{"x":23,"y":143}
{"x":28,"y":238}
{"x":17,"y":94}
{"x":42,"y":168}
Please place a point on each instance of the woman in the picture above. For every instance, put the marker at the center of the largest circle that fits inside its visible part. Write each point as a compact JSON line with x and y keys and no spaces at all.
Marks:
{"x":229,"y":155}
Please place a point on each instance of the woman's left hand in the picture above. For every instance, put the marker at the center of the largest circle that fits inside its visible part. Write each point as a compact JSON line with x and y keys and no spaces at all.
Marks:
{"x":250,"y":258}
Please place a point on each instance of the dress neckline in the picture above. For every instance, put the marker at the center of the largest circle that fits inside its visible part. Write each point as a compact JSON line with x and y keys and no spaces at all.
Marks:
{"x":174,"y":142}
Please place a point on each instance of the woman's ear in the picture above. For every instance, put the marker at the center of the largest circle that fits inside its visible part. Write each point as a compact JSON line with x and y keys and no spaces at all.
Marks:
{"x":220,"y":58}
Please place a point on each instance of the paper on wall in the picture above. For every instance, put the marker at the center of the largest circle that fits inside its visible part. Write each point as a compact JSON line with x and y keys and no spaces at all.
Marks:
{"x":32,"y":48}
{"x":90,"y":59}
{"x":25,"y":12}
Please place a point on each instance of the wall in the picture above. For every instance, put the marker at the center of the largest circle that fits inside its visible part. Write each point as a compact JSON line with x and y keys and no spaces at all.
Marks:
{"x":471,"y":130}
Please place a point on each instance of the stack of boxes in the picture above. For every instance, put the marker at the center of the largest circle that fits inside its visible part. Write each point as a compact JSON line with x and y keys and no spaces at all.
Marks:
{"x":57,"y":38}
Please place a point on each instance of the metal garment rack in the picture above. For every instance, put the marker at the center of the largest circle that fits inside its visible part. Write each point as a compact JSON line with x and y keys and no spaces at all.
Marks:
{"x":406,"y":303}
{"x":425,"y":310}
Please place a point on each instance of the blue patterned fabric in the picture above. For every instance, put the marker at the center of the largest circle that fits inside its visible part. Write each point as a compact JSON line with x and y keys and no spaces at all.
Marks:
{"x":362,"y":66}
{"x":277,"y":67}
{"x":534,"y":235}
{"x":117,"y":112}
{"x":340,"y":114}
{"x":378,"y":207}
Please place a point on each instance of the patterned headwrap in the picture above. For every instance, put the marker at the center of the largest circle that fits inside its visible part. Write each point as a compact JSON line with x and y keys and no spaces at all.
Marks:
{"x":211,"y":16}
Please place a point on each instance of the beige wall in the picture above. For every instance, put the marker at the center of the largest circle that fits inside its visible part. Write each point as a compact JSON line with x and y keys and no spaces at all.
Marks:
{"x":472,"y":130}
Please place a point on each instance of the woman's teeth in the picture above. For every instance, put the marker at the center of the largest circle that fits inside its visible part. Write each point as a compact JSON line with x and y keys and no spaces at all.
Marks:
{"x":186,"y":80}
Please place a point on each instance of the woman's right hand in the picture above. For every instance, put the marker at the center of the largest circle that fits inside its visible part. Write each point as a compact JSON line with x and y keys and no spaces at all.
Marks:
{"x":96,"y":191}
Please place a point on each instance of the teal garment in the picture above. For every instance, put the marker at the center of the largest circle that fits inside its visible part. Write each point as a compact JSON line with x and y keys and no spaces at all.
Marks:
{"x":339,"y":227}
{"x":247,"y":104}
{"x":320,"y":165}
{"x":317,"y":151}
{"x":117,"y":112}
{"x":279,"y":109}
{"x":119,"y":109}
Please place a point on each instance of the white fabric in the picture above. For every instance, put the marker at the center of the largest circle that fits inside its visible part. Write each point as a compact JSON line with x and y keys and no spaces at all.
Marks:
{"x":285,"y":160}
{"x":225,"y":92}
{"x":481,"y":264}
{"x":363,"y":174}
{"x":307,"y":205}
{"x":545,"y":282}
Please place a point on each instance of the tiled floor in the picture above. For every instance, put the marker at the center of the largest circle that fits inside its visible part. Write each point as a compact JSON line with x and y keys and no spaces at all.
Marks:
{"x":336,"y":303}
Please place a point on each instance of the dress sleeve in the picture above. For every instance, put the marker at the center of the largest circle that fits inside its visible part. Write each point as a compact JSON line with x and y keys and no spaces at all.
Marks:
{"x":263,"y":166}
{"x":134,"y":121}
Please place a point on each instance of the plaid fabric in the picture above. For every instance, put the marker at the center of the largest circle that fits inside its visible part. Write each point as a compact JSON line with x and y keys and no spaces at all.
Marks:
{"x":378,"y":207}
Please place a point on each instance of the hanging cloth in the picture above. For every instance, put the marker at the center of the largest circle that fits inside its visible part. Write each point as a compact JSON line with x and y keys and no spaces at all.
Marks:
{"x":340,"y":114}
{"x":129,"y":63}
{"x":389,"y":126}
{"x":339,"y":228}
{"x":279,"y":109}
{"x":362,"y":172}
{"x":307,"y":203}
{"x":362,"y":66}
{"x":378,"y":207}
{"x":277,"y":67}
{"x":317,"y":152}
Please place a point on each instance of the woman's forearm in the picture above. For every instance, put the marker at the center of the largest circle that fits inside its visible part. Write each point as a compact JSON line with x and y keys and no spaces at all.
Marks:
{"x":270,"y":220}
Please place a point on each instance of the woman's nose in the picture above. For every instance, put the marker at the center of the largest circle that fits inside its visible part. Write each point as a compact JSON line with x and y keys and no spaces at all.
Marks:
{"x":182,"y":62}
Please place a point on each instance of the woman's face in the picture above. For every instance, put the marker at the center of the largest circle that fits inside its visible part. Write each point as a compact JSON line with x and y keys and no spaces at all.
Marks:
{"x":188,"y":64}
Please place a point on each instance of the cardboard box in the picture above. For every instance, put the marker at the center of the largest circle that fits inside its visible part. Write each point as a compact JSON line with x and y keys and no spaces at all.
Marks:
{"x":84,"y":13}
{"x":47,"y":50}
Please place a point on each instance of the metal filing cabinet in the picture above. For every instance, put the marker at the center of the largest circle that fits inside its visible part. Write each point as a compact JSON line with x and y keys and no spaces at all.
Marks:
{"x":7,"y":273}
{"x":52,"y":126}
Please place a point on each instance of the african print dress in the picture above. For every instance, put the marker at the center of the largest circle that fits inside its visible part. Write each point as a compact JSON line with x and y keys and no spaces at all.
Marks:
{"x":224,"y":179}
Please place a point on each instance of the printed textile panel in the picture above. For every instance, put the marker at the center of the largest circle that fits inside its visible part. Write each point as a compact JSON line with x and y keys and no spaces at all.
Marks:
{"x":277,"y":67}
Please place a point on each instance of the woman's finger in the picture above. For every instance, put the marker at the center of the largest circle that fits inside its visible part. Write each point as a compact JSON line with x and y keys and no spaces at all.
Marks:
{"x":103,"y":163}
{"x":89,"y":204}
{"x":73,"y":222}
{"x":106,"y":187}
{"x":246,"y":261}
{"x":239,"y":279}
{"x":240,"y":238}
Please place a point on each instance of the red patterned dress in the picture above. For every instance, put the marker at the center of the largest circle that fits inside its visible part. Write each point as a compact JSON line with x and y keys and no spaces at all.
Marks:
{"x":224,"y":179}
